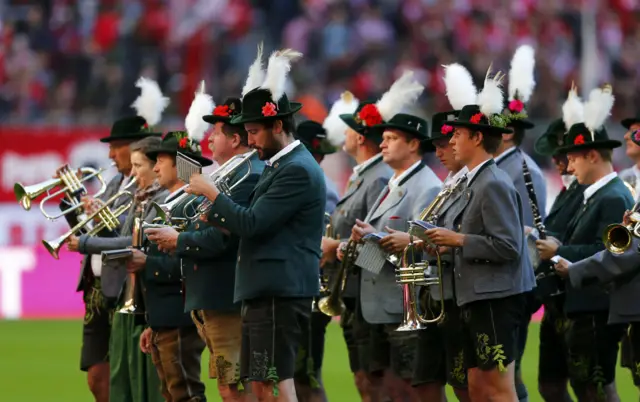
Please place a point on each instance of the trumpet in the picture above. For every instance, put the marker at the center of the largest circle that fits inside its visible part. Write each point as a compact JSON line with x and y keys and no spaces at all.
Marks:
{"x":72,"y":187}
{"x":133,"y":298}
{"x":322,"y":279}
{"x":333,"y":305}
{"x":221,"y":179}
{"x":617,"y":237}
{"x":179,"y":224}
{"x":108,"y":220}
{"x":163,"y":211}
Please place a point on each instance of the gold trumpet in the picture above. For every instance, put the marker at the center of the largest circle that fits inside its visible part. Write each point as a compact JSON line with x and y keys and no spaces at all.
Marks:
{"x":617,"y":238}
{"x":108,"y":220}
{"x":133,"y":298}
{"x":72,"y":187}
{"x":333,"y":305}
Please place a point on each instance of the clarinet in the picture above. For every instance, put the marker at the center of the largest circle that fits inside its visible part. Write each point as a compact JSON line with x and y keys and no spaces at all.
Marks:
{"x":533,"y":201}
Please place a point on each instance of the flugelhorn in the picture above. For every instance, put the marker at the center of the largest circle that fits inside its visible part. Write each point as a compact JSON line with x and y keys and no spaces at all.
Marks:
{"x":108,"y":220}
{"x":617,"y":238}
{"x":72,"y":186}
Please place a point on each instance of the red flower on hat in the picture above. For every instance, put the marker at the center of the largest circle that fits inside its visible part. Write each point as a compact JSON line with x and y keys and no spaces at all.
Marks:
{"x":579,"y":140}
{"x":446,"y":129}
{"x":475,"y":119}
{"x":516,"y":105}
{"x":370,"y":115}
{"x":222,"y":110}
{"x":315,"y":143}
{"x":145,"y":126}
{"x":636,"y":135}
{"x":269,"y":109}
{"x":183,"y":142}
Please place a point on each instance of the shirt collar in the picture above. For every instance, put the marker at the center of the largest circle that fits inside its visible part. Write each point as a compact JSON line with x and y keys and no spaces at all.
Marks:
{"x":603,"y":181}
{"x":282,"y":152}
{"x":395,"y":181}
{"x":453,"y":178}
{"x":506,"y":153}
{"x":475,"y":170}
{"x":359,"y":168}
{"x":172,"y":195}
{"x":567,"y":180}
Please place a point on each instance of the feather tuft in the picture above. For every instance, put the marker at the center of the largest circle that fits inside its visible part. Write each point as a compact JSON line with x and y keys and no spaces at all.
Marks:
{"x":277,"y":71}
{"x":201,"y":105}
{"x":521,"y":74}
{"x":572,"y":109}
{"x":256,"y":73}
{"x":151,"y":103}
{"x":403,"y":93}
{"x":598,"y":108}
{"x":461,"y":90}
{"x":491,"y":99}
{"x":347,"y":104}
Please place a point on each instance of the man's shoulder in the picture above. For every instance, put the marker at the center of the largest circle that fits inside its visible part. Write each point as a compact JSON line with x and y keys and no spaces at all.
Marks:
{"x":493,"y":178}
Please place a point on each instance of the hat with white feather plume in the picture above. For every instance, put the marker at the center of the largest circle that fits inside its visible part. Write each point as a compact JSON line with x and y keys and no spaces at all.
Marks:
{"x":521,"y":85}
{"x":461,"y":91}
{"x":586,"y":120}
{"x":267,"y":100}
{"x":333,"y":124}
{"x":188,"y":142}
{"x":486,"y":114}
{"x":149,"y":107}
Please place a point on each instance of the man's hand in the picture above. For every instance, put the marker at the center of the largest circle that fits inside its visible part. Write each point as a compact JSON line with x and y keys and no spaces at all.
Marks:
{"x":145,"y":341}
{"x":361,"y":229}
{"x":431,"y":250}
{"x":395,"y":241}
{"x":445,"y":237}
{"x":340,"y":250}
{"x":329,"y":250}
{"x":562,"y":268}
{"x":137,"y":261}
{"x":200,"y":185}
{"x":73,"y":243}
{"x":547,"y":248}
{"x":626,"y":218}
{"x":90,"y":206}
{"x":165,"y":238}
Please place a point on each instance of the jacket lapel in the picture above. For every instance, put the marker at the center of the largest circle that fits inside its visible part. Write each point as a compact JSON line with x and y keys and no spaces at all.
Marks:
{"x":395,"y":196}
{"x":351,"y":190}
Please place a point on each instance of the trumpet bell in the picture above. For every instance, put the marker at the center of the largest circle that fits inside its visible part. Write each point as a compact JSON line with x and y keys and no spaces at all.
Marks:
{"x":617,"y":238}
{"x":26,"y":194}
{"x":331,"y":306}
{"x":133,"y":302}
{"x":54,"y":246}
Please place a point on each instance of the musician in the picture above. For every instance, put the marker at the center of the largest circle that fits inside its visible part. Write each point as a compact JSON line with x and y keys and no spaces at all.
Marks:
{"x":631,"y":175}
{"x":412,"y":188}
{"x":440,"y":347}
{"x":308,"y":378}
{"x":280,"y":232}
{"x":370,"y":176}
{"x":101,"y":287}
{"x":491,"y":271}
{"x":553,"y":373}
{"x":589,"y":150}
{"x":209,"y":257}
{"x":171,"y":337}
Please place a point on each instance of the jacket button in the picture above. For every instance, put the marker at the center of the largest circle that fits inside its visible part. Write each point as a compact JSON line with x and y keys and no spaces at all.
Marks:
{"x":187,"y":248}
{"x":238,"y":258}
{"x":222,"y":220}
{"x":215,"y":215}
{"x":195,"y":267}
{"x":197,"y":226}
{"x":157,"y":273}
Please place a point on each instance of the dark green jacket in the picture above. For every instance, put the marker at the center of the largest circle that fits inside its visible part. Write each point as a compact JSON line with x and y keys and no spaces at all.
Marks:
{"x":210,"y":255}
{"x":280,"y":231}
{"x":162,"y":285}
{"x":566,"y":204}
{"x":583,"y":238}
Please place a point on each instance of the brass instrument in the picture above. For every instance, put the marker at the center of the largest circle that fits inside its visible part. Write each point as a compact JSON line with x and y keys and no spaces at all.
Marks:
{"x":322,"y":279}
{"x":617,"y":237}
{"x":108,"y":220}
{"x":221,"y":179}
{"x":70,"y":184}
{"x":163,"y":211}
{"x":178,"y":224}
{"x":133,"y":297}
{"x":333,"y":305}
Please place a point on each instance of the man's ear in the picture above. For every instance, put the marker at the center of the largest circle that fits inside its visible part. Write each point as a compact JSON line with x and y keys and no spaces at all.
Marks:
{"x":361,"y":139}
{"x":277,"y":127}
{"x":235,"y":140}
{"x":478,"y":138}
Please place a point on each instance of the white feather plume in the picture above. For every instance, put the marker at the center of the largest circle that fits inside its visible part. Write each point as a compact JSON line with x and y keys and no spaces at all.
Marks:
{"x":461,"y":90}
{"x":277,"y":70}
{"x":572,"y":109}
{"x":490,"y":99}
{"x":598,"y":107}
{"x":202,"y":105}
{"x":151,"y":103}
{"x":521,"y":77}
{"x":347,"y":104}
{"x":404,"y":92}
{"x":256,"y":73}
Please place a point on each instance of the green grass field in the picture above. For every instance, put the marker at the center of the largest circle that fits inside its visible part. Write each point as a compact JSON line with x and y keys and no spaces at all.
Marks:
{"x":39,"y":362}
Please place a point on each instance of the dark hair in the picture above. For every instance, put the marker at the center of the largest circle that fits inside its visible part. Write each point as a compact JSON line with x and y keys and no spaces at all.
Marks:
{"x":490,"y":142}
{"x":230,"y":130}
{"x":288,"y":124}
{"x":606,"y":154}
{"x":145,"y":145}
{"x":518,"y":135}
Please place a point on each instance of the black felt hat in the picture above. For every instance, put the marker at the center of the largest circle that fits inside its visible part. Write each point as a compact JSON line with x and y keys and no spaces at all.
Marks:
{"x":130,"y":128}
{"x":579,"y":137}
{"x":314,"y":137}
{"x":552,"y":139}
{"x":231,"y":108}
{"x":471,"y":117}
{"x":258,"y":105}
{"x":629,"y":121}
{"x":358,"y":122}
{"x":517,"y":115}
{"x":441,"y":124}
{"x":415,"y":126}
{"x":175,"y":141}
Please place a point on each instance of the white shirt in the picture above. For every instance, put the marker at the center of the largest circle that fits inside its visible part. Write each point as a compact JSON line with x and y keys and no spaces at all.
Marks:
{"x":636,"y":172}
{"x":170,"y":196}
{"x":475,"y":170}
{"x":282,"y":152}
{"x":506,"y":153}
{"x":603,"y":181}
{"x":450,"y":180}
{"x":395,"y":181}
{"x":567,"y":180}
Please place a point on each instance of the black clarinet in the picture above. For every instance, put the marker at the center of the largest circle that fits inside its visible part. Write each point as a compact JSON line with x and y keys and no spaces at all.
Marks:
{"x":548,"y":282}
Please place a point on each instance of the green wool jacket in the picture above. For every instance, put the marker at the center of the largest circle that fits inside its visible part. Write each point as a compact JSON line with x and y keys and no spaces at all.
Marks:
{"x":162,"y":284}
{"x":209,"y":255}
{"x":583,"y":238}
{"x":281,"y":230}
{"x":566,"y":204}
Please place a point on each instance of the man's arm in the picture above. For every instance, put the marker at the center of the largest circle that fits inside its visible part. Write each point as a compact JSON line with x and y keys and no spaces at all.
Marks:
{"x":96,"y":245}
{"x":288,"y":191}
{"x":502,"y":237}
{"x":605,"y":266}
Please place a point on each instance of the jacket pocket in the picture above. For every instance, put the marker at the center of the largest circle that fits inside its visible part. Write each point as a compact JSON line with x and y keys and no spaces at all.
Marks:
{"x":492,"y":282}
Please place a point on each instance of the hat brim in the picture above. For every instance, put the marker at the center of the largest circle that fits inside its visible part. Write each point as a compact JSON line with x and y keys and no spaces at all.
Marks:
{"x":374,"y":134}
{"x":481,"y":127}
{"x":425,"y":141}
{"x":607,"y":144}
{"x":522,"y":123}
{"x":294,"y":107}
{"x":129,"y":137}
{"x":153,"y":154}
{"x":542,"y":147}
{"x":212,"y":119}
{"x":626,"y":123}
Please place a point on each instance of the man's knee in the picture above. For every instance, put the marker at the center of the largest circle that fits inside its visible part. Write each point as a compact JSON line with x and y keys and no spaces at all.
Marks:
{"x":98,"y":379}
